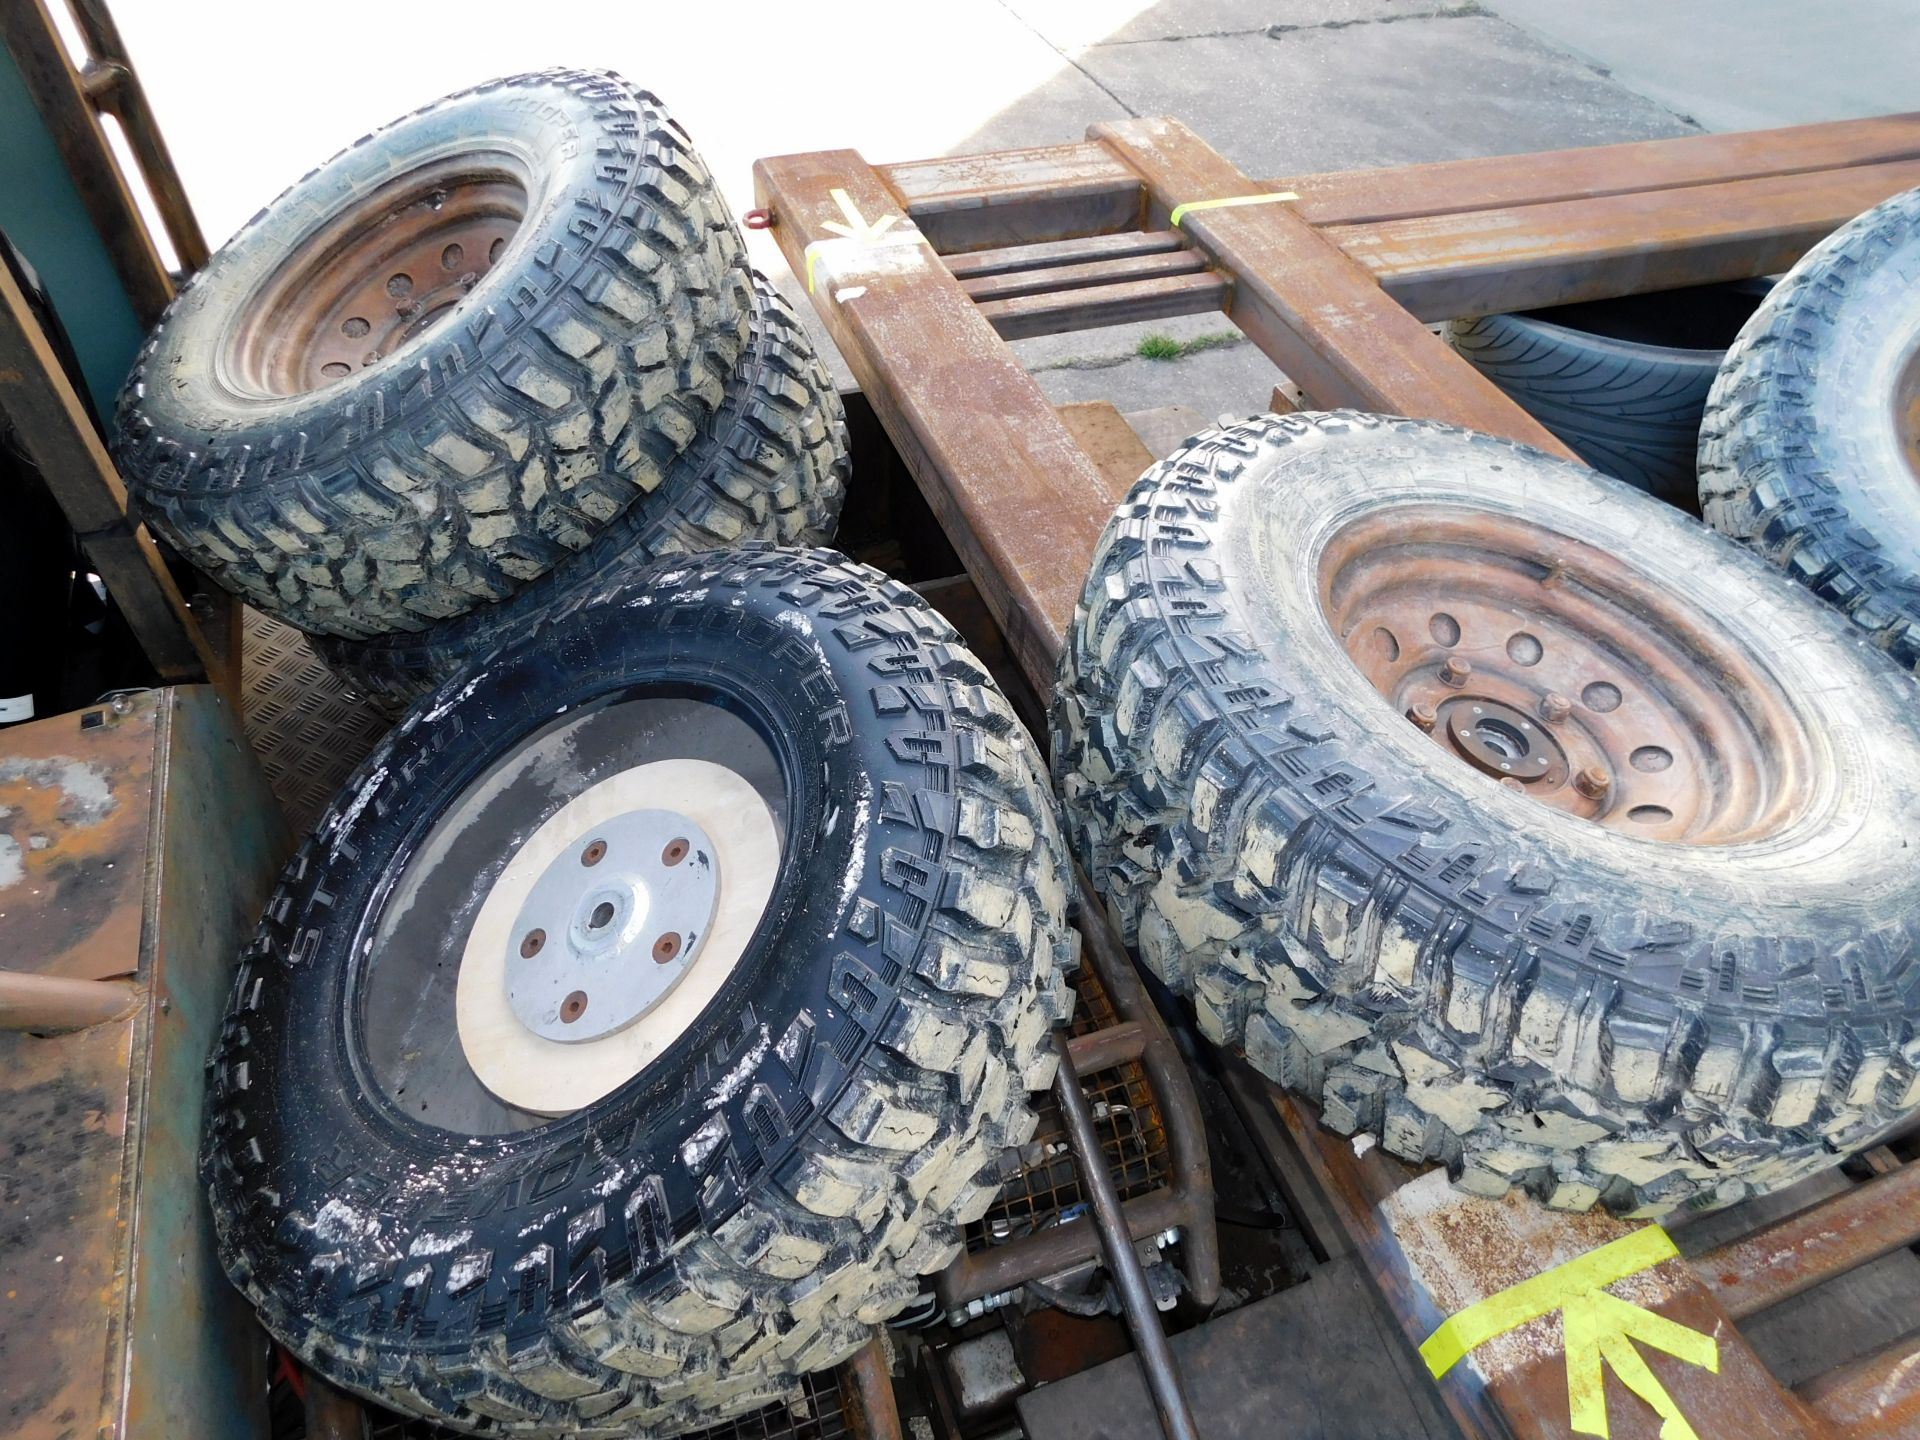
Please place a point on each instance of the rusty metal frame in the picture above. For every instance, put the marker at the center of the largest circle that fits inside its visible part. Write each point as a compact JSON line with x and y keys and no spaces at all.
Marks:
{"x":922,"y":270}
{"x":1185,"y":1203}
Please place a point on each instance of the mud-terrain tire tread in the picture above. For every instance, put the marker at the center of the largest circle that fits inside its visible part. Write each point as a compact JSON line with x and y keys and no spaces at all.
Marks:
{"x":1771,"y":478}
{"x":1230,"y":830}
{"x":769,"y":464}
{"x":524,"y":428}
{"x":797,"y":1277}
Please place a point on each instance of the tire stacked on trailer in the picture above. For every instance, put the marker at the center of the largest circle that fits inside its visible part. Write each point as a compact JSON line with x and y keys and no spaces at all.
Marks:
{"x":1810,"y":452}
{"x":652,"y":1008}
{"x":1517,"y":819}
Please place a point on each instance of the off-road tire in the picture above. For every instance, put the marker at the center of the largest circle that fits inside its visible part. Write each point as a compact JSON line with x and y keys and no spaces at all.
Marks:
{"x":1463,"y":972}
{"x":1801,"y":455}
{"x":484,"y":451}
{"x":770,"y":464}
{"x":772,"y":1185}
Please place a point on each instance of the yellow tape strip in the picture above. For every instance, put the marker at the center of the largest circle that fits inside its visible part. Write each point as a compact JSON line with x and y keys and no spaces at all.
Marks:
{"x":1228,"y":203}
{"x":1597,"y":1330}
{"x":1543,"y":1294}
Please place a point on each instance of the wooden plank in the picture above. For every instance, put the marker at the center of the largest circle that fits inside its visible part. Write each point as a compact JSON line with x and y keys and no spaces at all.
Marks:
{"x":1317,"y":313}
{"x":1361,"y":197}
{"x":1054,"y":314}
{"x":54,"y":432}
{"x":1062,"y":252}
{"x":1012,"y":284}
{"x":1018,"y":497}
{"x":61,"y":96}
{"x":1485,"y":261}
{"x":1433,"y":1250}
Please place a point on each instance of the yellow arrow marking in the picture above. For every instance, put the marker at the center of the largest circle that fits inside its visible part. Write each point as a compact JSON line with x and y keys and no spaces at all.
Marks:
{"x":1597,"y":1330}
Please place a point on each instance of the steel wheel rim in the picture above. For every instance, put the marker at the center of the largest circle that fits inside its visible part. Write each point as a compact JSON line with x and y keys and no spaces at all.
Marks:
{"x":377,"y":275}
{"x":1566,"y":675}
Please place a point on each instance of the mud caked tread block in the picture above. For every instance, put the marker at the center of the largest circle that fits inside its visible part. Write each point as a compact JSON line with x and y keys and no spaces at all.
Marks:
{"x":1432,"y":974}
{"x":1790,"y":463}
{"x":950,"y":959}
{"x":500,"y":442}
{"x":769,"y":464}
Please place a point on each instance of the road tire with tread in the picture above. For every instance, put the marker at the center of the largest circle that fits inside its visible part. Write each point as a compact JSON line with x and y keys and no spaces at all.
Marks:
{"x":769,"y":1187}
{"x":482,"y":451}
{"x":769,"y":464}
{"x":1465,"y":973}
{"x":1807,"y":455}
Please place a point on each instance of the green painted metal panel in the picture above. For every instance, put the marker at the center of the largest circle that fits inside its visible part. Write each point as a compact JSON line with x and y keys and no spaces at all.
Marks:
{"x":43,"y":214}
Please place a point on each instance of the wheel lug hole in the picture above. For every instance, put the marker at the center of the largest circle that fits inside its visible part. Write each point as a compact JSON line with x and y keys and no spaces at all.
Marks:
{"x":594,"y":853}
{"x":666,"y":948}
{"x":574,"y":1006}
{"x":675,"y":852}
{"x":531,"y":943}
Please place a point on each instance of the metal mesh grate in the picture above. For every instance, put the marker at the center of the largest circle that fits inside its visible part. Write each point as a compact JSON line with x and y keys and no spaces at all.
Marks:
{"x":1038,"y":1182}
{"x":306,"y":727}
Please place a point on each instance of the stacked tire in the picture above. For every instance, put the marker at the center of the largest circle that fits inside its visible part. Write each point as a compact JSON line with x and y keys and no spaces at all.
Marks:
{"x":652,"y":1009}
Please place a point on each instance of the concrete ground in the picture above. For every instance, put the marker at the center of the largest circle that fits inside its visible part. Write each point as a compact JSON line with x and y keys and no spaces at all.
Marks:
{"x":250,"y":95}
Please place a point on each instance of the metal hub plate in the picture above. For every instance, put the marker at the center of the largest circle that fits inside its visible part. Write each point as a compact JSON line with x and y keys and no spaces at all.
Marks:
{"x":611,"y":924}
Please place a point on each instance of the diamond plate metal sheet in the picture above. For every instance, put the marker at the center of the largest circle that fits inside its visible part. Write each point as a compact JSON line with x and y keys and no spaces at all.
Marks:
{"x":308,"y":728}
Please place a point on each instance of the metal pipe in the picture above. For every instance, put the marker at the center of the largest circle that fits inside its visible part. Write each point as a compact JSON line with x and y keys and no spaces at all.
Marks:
{"x":52,"y":1004}
{"x":1143,"y":1320}
{"x":332,"y":1414}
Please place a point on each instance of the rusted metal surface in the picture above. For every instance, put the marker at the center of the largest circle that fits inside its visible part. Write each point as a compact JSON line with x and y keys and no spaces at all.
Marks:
{"x":1123,"y":1263}
{"x":56,"y":435}
{"x":1061,"y":253}
{"x":1875,"y":1398}
{"x":1016,"y":197}
{"x":376,"y":275}
{"x":1484,"y":261}
{"x":1054,"y":279}
{"x":867,"y":1390}
{"x":1054,"y":312}
{"x":1793,"y":1255}
{"x":1317,"y":313}
{"x":1018,"y":498}
{"x":332,"y":1414}
{"x":1185,"y":1202}
{"x":1600,"y":696}
{"x":1433,"y":1251}
{"x":159,"y":843}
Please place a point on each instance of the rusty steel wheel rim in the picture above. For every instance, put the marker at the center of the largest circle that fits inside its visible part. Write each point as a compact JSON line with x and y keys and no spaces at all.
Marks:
{"x":1567,"y":676}
{"x":377,"y":275}
{"x":1906,"y":411}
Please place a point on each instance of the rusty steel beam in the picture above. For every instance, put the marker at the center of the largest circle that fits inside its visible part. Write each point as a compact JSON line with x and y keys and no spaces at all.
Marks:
{"x":1056,"y":312}
{"x":1484,"y":261}
{"x":1016,"y":197}
{"x":1783,"y":1259}
{"x":1874,"y":1398}
{"x":1017,"y":496}
{"x":55,"y":1004}
{"x":1058,"y":279}
{"x":974,"y":264}
{"x":1317,"y":313}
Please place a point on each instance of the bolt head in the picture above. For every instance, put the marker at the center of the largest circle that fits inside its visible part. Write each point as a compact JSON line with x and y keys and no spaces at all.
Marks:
{"x":1554,"y":708}
{"x":1423,"y":715}
{"x":1454,"y":670}
{"x":1592,"y":782}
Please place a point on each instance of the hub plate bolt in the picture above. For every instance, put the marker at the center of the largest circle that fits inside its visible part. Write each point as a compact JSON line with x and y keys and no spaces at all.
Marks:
{"x":1454,"y":671}
{"x":1592,"y":782}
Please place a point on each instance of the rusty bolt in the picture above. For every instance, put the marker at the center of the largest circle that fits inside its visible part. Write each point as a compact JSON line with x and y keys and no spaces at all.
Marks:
{"x":1555,"y":708}
{"x":531,"y":943}
{"x":407,"y":309}
{"x":594,"y":853}
{"x":1454,"y":671}
{"x":1423,"y":715}
{"x":1592,"y":782}
{"x":666,"y":947}
{"x":675,"y":852}
{"x":574,"y":1006}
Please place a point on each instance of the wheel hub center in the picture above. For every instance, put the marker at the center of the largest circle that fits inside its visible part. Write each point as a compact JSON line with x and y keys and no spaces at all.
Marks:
{"x":611,"y":924}
{"x":1501,"y":740}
